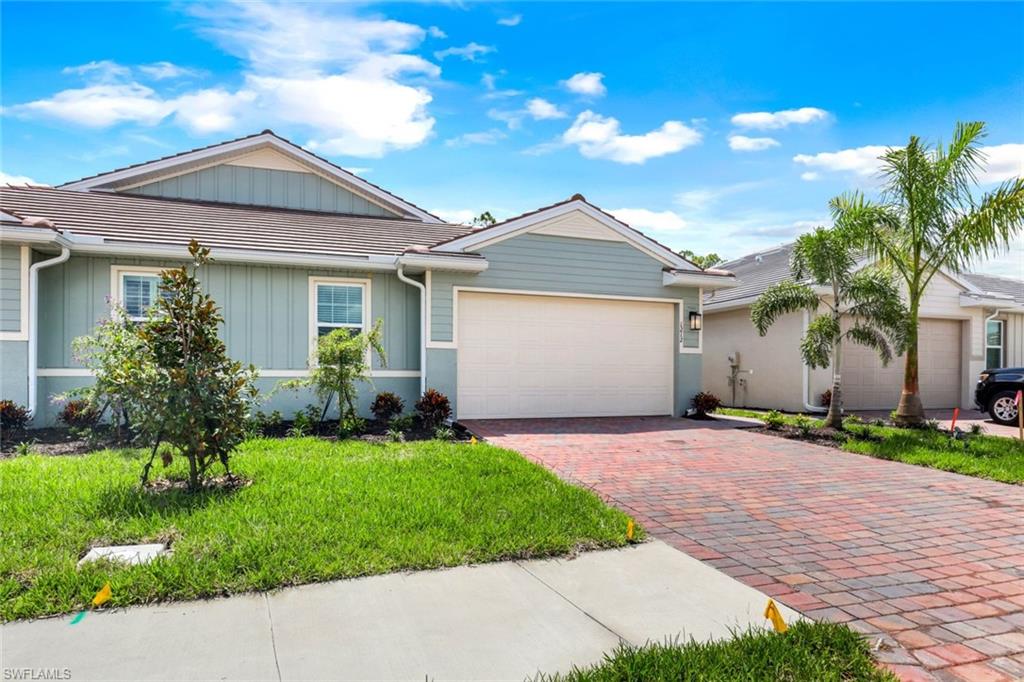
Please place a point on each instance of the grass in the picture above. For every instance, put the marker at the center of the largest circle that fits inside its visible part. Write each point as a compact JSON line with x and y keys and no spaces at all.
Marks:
{"x":315,"y":510}
{"x":994,"y":457}
{"x":823,"y":652}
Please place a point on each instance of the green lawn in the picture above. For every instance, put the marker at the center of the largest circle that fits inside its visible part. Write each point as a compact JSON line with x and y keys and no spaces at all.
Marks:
{"x":995,"y":457}
{"x":822,"y":652}
{"x":315,"y":510}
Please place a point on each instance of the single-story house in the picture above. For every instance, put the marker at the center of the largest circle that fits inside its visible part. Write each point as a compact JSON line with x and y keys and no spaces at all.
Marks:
{"x":968,"y":322}
{"x":564,"y":311}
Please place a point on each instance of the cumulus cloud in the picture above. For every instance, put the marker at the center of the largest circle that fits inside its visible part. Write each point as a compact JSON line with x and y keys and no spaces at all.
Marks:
{"x":654,"y":221}
{"x":771,"y":120}
{"x":513,"y":20}
{"x":541,"y":109}
{"x":810,"y":176}
{"x":435,"y":32}
{"x":341,"y":77}
{"x":490,"y":83}
{"x":470,"y":52}
{"x":862,"y":161}
{"x":600,"y":137}
{"x":7,"y":179}
{"x":1002,"y":162}
{"x":587,"y":83}
{"x":742,"y":143}
{"x":492,"y":136}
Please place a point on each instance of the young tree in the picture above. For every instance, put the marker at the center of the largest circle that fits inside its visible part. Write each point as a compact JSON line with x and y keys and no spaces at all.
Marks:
{"x":930,"y":220}
{"x":867,"y":298}
{"x":703,"y":262}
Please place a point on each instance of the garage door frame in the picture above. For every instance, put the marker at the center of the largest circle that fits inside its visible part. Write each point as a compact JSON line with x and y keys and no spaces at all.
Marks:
{"x":677,"y":330}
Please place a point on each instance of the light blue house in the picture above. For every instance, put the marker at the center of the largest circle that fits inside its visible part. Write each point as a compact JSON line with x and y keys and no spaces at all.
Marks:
{"x":564,"y":311}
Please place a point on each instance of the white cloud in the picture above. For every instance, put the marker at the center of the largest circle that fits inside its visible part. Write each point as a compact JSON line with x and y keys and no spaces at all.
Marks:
{"x":742,"y":143}
{"x":810,"y":176}
{"x":513,"y":20}
{"x":512,"y":119}
{"x":166,"y":70}
{"x":700,"y":199}
{"x":482,"y":137}
{"x":490,"y":82}
{"x":645,"y":219}
{"x":600,"y":137}
{"x":358,"y":170}
{"x":469,"y":52}
{"x":862,"y":161}
{"x":768,"y":120}
{"x":6,"y":179}
{"x":541,"y":109}
{"x":457,"y":216}
{"x":1002,"y":162}
{"x":435,"y":32}
{"x":321,"y":68}
{"x":588,"y":83}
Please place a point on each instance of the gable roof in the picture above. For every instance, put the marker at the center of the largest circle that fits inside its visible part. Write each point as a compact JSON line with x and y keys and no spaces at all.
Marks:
{"x":203,"y":156}
{"x":134,"y":219}
{"x":525,"y":222}
{"x":997,"y":286}
{"x":754,"y":272}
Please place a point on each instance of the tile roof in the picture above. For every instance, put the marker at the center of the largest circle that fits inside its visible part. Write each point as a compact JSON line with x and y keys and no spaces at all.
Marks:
{"x":147,"y":220}
{"x":754,"y":273}
{"x":1001,"y":286}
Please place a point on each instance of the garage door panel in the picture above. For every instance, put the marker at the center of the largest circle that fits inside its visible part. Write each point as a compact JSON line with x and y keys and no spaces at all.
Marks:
{"x":532,"y":356}
{"x":869,"y":385}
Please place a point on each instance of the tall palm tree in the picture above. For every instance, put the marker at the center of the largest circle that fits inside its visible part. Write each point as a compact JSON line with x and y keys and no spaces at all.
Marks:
{"x":930,"y":220}
{"x":866,"y":297}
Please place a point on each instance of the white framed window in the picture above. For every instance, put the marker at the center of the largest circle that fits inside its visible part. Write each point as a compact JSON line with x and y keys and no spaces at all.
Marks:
{"x":337,"y":303}
{"x":994,"y":344}
{"x":135,"y":288}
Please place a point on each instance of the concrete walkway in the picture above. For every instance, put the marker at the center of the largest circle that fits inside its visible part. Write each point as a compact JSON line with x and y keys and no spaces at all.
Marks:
{"x":495,"y":621}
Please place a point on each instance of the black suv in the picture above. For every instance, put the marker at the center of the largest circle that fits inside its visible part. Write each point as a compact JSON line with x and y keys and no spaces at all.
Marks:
{"x":996,"y":393}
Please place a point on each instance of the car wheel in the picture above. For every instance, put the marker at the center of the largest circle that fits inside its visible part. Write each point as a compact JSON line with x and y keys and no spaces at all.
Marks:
{"x":1003,"y":408}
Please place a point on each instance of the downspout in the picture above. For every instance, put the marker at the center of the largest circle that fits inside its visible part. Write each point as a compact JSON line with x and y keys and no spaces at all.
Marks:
{"x":33,"y":324}
{"x":423,"y":326}
{"x":984,"y":329}
{"x":807,"y":377}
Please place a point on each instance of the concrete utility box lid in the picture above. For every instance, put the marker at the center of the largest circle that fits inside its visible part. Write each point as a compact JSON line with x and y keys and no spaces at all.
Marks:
{"x":126,"y":554}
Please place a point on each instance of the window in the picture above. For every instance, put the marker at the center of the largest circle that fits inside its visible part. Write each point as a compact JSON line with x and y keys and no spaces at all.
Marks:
{"x":337,"y":304}
{"x":993,"y":344}
{"x":136,"y":289}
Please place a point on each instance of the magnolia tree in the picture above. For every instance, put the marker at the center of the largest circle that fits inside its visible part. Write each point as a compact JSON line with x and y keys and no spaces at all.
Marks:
{"x":171,"y":374}
{"x":825,"y":275}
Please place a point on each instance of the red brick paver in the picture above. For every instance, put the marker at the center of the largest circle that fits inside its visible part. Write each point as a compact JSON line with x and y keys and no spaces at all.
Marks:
{"x":930,"y":563}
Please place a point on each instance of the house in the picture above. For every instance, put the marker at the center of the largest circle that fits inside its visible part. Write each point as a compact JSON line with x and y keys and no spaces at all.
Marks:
{"x":968,"y":322}
{"x":564,"y":311}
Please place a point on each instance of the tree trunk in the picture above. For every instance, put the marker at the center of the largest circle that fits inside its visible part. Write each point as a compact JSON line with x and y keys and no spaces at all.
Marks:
{"x":834,"y":418}
{"x":193,"y":473}
{"x":910,"y":411}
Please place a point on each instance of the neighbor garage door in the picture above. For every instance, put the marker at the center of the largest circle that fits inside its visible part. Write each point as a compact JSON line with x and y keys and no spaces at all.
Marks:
{"x":548,"y":356}
{"x":867,"y":385}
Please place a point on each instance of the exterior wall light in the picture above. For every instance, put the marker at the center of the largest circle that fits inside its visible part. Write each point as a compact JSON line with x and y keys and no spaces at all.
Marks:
{"x":695,"y":321}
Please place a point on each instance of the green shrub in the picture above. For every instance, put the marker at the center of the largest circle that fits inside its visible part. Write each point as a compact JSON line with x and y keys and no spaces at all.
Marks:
{"x":433,"y":408}
{"x":975,"y":429}
{"x":774,"y":420}
{"x":395,"y":435}
{"x":444,"y":433}
{"x":402,"y":422}
{"x":803,"y":424}
{"x":351,"y":426}
{"x":386,"y":405}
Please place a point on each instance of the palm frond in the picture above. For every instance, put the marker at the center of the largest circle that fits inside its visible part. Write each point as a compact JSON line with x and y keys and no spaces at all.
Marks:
{"x":872,"y":338}
{"x":816,"y":346}
{"x":781,"y":299}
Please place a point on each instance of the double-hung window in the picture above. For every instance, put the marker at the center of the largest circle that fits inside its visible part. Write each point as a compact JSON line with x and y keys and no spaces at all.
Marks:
{"x":337,"y":304}
{"x":136,"y":290}
{"x":994,"y":344}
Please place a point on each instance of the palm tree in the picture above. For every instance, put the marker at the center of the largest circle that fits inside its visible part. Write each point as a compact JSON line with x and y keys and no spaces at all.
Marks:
{"x":825,"y":272}
{"x":930,"y":221}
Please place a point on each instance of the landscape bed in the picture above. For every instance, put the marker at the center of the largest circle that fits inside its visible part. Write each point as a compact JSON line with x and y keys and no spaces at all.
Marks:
{"x":993,"y":457}
{"x":313,"y":510}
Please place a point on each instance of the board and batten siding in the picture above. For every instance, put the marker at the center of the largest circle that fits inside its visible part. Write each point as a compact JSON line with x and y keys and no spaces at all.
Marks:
{"x":265,"y":308}
{"x":262,"y":187}
{"x":10,"y":287}
{"x":1013,"y":339}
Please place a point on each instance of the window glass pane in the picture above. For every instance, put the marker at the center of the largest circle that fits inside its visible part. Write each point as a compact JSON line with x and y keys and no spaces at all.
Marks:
{"x":993,"y":358}
{"x":339,"y":304}
{"x":138,"y":293}
{"x":994,"y":333}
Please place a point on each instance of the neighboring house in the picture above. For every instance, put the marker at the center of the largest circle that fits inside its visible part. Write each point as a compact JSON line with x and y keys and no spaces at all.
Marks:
{"x":564,"y":311}
{"x":967,"y":323}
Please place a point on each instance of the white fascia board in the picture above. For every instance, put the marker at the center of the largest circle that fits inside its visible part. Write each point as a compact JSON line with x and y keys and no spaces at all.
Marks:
{"x":989,"y":301}
{"x":341,"y":175}
{"x":492,"y":235}
{"x":32,"y":235}
{"x":450,"y":263}
{"x":698,"y":279}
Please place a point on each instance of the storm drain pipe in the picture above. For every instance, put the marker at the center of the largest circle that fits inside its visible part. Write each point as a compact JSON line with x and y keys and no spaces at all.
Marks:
{"x":33,"y":324}
{"x":423,"y":326}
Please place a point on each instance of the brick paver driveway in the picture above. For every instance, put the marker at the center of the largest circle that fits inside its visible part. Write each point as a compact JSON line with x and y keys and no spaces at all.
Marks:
{"x":930,"y":562}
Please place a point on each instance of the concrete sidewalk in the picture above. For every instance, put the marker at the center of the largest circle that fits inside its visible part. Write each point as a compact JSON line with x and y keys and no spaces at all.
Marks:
{"x":495,"y":621}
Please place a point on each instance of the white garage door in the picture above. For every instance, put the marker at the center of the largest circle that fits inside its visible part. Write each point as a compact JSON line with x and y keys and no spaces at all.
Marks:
{"x":869,"y":386}
{"x":548,"y":356}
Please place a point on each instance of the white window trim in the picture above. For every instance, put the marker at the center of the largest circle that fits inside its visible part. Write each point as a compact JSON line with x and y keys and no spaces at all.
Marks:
{"x":1002,"y":341}
{"x":314,"y":281}
{"x":25,"y":260}
{"x":117,"y":275}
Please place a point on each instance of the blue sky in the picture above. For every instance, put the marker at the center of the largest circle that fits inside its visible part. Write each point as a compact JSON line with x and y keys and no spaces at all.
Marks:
{"x":715,"y":127}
